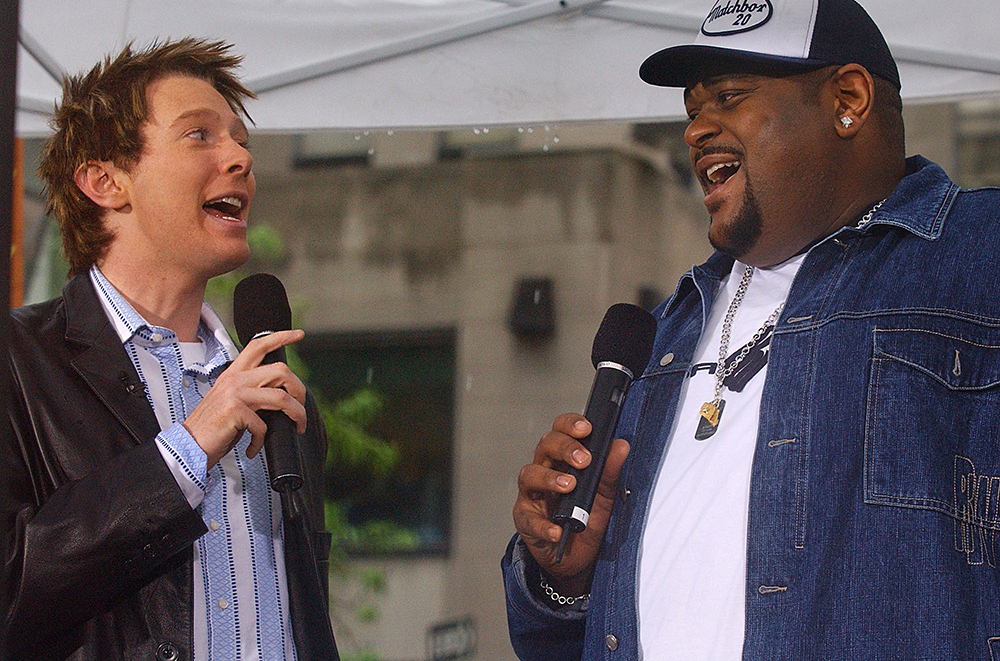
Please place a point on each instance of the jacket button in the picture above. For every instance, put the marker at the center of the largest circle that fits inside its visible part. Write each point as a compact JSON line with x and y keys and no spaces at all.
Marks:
{"x":611,"y":641}
{"x":667,"y":359}
{"x":167,"y":652}
{"x":148,"y":551}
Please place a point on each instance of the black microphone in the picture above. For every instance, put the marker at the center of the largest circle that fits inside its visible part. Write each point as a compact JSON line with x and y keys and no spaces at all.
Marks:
{"x":622,"y":348}
{"x":260,"y":307}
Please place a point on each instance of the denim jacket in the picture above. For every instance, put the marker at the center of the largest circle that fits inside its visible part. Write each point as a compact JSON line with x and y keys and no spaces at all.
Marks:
{"x":875,"y":484}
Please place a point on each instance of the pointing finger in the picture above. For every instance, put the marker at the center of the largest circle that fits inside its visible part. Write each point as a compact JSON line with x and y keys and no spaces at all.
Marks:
{"x":255,"y":350}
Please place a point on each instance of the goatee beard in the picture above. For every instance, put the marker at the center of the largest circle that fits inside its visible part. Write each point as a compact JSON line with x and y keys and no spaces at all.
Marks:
{"x":744,"y":230}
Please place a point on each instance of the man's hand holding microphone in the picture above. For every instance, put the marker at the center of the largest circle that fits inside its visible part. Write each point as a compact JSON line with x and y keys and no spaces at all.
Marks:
{"x":565,"y":496}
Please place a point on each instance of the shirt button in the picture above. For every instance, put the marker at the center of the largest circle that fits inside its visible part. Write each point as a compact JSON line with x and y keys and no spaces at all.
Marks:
{"x":223,"y":604}
{"x":214,"y":525}
{"x":187,"y":382}
{"x":157,"y":337}
{"x":667,"y":359}
{"x":611,"y":641}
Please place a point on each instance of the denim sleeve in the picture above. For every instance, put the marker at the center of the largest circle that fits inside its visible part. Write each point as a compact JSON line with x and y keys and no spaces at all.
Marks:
{"x":537,"y":632}
{"x":186,"y":460}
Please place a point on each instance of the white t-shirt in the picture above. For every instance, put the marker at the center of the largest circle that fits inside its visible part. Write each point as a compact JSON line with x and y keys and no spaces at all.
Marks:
{"x":692,"y":563}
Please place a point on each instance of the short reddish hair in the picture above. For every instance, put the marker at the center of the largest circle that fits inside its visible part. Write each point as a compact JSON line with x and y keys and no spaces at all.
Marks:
{"x":100,"y":119}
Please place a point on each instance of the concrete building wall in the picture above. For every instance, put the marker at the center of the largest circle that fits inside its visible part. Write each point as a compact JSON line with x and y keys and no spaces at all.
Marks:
{"x":425,"y":244}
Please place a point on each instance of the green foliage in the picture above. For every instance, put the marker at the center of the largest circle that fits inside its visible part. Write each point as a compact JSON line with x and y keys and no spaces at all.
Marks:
{"x":266,"y":244}
{"x":383,"y":536}
{"x":352,"y":450}
{"x":373,"y":579}
{"x":367,"y":613}
{"x":349,"y":441}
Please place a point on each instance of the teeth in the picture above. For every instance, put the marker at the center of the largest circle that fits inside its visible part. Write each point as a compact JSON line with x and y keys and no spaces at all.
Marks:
{"x":710,"y":173}
{"x":234,"y":201}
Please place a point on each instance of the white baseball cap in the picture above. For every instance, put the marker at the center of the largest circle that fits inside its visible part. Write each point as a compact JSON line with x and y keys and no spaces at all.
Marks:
{"x":779,"y":36}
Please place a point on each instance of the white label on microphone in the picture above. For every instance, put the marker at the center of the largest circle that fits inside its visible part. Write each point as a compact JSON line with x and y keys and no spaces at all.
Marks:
{"x":581,"y":515}
{"x":607,"y":364}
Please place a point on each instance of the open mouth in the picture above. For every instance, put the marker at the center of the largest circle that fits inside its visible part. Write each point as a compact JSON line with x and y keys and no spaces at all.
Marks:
{"x":720,"y":173}
{"x":228,"y":207}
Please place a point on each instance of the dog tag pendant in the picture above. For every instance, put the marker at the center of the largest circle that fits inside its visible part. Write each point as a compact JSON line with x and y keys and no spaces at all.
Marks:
{"x":708,"y":423}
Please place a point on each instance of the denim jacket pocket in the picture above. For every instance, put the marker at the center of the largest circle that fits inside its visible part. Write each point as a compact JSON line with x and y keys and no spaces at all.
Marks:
{"x":932,"y":425}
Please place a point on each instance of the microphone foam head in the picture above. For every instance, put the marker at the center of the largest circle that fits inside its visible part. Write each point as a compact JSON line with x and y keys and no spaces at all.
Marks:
{"x":260,"y":305}
{"x":625,"y":337}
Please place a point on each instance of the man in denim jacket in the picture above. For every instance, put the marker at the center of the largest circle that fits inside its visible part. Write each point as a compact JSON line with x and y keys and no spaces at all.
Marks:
{"x":845,"y":504}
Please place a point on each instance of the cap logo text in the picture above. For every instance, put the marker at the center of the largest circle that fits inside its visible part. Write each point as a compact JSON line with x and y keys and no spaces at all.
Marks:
{"x":732,"y":16}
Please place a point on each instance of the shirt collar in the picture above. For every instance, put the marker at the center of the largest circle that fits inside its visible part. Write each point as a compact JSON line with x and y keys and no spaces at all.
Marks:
{"x":124,"y":319}
{"x":130,"y":326}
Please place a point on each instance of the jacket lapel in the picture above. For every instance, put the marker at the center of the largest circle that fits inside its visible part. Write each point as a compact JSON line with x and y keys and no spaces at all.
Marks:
{"x":100,"y":359}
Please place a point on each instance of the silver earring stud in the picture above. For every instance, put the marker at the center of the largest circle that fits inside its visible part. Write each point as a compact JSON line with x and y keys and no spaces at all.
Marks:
{"x":846,"y":121}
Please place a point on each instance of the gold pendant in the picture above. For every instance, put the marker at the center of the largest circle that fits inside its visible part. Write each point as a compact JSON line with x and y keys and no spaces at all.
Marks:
{"x":709,"y":421}
{"x":710,"y":412}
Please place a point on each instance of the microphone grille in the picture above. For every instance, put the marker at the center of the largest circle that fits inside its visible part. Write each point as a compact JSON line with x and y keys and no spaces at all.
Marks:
{"x":625,"y":337}
{"x":260,"y":305}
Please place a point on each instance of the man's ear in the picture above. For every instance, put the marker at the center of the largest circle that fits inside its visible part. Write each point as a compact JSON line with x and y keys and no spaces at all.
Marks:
{"x":101,"y":181}
{"x":854,"y":96}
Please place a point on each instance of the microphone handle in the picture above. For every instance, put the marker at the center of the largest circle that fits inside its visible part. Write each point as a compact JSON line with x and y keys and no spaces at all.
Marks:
{"x":604,"y":407}
{"x":281,"y":452}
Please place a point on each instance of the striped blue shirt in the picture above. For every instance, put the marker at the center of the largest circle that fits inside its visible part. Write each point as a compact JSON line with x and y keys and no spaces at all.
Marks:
{"x":240,"y":591}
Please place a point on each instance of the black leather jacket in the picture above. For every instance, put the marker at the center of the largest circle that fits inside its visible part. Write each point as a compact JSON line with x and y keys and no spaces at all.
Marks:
{"x":97,"y":536}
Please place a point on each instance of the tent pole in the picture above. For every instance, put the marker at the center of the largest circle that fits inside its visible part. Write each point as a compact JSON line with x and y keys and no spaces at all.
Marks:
{"x":504,"y":18}
{"x":42,"y":56}
{"x":17,"y":227}
{"x":8,"y":77}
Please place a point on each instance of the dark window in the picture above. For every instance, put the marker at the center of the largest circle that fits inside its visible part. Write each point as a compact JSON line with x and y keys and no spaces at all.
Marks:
{"x":388,"y":399}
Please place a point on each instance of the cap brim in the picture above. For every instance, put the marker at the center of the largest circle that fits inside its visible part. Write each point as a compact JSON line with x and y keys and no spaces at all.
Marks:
{"x":681,"y":66}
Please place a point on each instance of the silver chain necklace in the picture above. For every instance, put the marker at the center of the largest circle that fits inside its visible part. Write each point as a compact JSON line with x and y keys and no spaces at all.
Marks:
{"x":868,"y":216}
{"x":711,"y":411}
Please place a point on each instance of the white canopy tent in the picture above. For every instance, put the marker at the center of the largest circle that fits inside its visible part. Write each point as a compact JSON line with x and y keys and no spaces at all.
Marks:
{"x":443,"y":63}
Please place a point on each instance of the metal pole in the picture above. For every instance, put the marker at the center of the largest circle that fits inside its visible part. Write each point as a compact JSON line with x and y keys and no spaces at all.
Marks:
{"x":499,"y":20}
{"x":16,"y":268}
{"x":8,"y":76}
{"x":42,"y":56}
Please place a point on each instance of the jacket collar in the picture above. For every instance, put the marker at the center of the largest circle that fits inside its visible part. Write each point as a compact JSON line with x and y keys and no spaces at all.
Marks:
{"x":919,"y":204}
{"x":99,"y":358}
{"x":86,"y":322}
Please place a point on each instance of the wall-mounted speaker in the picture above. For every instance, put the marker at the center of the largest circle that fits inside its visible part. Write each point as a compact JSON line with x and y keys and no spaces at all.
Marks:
{"x":532,"y":310}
